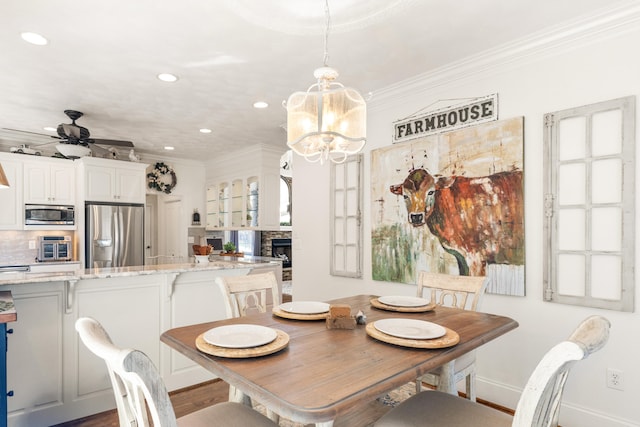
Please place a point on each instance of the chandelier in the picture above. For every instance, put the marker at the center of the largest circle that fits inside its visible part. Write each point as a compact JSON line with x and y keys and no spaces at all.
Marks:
{"x":328,"y":121}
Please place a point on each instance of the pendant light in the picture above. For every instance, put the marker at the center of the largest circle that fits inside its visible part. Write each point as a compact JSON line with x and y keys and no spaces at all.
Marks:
{"x":4,"y":182}
{"x":328,"y":121}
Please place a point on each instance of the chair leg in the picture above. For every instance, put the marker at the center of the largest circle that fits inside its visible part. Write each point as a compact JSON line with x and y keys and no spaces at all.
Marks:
{"x":273,"y":416}
{"x":418,"y":385}
{"x":471,"y":386}
{"x":236,"y":395}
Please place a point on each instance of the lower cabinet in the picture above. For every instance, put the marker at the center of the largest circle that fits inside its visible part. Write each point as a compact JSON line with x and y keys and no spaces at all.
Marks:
{"x":35,"y":356}
{"x":56,"y":379}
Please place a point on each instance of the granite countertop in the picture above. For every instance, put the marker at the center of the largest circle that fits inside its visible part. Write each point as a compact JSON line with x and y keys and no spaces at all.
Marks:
{"x":215,"y":263}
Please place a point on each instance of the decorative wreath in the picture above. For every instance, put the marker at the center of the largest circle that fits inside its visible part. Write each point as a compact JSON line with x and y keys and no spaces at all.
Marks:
{"x":157,"y":178}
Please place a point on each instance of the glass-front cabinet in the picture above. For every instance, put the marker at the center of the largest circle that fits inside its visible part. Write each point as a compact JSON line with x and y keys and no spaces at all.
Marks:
{"x":252,"y":201}
{"x":234,"y":204}
{"x":212,"y":207}
{"x":243,"y":190}
{"x":237,"y":197}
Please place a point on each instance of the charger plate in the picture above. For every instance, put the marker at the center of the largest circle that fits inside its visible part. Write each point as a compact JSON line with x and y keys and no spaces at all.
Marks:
{"x":277,"y":311}
{"x":281,"y":341}
{"x":420,"y":309}
{"x":449,"y":339}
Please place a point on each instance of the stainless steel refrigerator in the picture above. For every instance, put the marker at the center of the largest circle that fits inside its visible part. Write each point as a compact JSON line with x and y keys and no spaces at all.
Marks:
{"x":114,"y":235}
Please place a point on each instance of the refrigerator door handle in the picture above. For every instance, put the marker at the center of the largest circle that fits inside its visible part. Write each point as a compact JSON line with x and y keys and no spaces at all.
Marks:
{"x":121,"y":239}
{"x":116,"y":239}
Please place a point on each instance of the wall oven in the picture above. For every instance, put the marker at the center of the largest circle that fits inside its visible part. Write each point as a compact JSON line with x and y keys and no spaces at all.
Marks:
{"x":49,"y":215}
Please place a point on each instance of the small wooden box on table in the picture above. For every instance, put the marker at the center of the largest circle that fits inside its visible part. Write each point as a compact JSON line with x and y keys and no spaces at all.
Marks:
{"x":340,"y":317}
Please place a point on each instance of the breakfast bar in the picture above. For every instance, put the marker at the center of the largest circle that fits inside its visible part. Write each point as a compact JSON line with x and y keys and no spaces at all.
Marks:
{"x":55,"y":379}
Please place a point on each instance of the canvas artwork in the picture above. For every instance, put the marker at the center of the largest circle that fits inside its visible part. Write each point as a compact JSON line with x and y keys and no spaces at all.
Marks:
{"x":451,"y":203}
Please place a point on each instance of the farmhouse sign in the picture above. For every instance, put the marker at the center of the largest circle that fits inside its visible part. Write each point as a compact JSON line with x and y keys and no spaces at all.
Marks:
{"x":479,"y":110}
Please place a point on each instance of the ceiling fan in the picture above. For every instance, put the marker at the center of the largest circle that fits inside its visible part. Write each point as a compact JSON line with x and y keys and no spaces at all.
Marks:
{"x":75,"y":134}
{"x":76,"y":141}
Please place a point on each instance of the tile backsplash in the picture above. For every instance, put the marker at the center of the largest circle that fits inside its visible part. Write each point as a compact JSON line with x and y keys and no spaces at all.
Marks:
{"x":14,"y":245}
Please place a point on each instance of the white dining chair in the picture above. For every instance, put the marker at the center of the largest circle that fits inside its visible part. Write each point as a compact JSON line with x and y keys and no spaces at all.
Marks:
{"x":539,"y":403}
{"x":140,"y":391}
{"x":244,"y":295}
{"x":464,"y":292}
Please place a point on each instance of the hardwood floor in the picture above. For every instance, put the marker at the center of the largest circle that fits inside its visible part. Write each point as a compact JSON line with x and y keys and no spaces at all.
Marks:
{"x":202,"y":395}
{"x":184,"y":401}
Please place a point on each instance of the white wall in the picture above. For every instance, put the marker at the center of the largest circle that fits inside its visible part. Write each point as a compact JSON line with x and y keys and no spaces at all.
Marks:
{"x":189,"y":189}
{"x":592,"y":60}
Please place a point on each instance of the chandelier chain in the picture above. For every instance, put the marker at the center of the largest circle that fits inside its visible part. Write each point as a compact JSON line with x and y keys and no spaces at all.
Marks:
{"x":326,"y":33}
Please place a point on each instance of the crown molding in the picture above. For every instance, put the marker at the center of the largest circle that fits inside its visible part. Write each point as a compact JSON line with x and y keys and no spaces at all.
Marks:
{"x":613,"y":21}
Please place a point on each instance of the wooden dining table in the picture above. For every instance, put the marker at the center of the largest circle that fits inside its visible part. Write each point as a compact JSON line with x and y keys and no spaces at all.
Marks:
{"x":323,"y":373}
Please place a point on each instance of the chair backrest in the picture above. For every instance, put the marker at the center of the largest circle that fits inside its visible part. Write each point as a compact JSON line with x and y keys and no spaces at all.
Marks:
{"x":244,"y":294}
{"x":539,"y":403}
{"x":452,"y":291}
{"x":136,"y":382}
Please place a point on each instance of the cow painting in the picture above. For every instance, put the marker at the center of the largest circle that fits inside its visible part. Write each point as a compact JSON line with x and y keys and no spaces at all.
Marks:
{"x":478,"y":220}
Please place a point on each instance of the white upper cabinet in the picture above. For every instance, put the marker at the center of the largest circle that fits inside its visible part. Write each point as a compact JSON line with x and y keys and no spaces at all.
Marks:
{"x":12,"y":212}
{"x":49,"y":182}
{"x":245,"y":193}
{"x":113,"y":181}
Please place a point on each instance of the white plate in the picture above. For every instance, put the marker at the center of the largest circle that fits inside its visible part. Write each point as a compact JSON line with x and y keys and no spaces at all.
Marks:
{"x":305,"y":307}
{"x":240,"y":336}
{"x":410,"y":328}
{"x":403,"y":301}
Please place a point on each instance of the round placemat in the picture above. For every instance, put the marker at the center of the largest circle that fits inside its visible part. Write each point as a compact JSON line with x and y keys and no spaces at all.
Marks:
{"x":296,"y":316}
{"x":449,"y":339}
{"x":281,"y":341}
{"x":421,"y":309}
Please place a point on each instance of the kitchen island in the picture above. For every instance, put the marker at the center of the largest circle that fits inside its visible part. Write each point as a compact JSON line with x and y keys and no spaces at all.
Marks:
{"x":56,"y":379}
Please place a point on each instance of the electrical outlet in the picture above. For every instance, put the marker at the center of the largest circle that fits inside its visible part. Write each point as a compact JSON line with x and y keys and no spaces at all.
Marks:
{"x":32,"y":244}
{"x":615,"y":379}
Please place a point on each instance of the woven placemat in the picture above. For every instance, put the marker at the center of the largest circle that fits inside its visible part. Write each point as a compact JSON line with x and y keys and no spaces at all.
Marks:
{"x":449,"y":339}
{"x":277,"y":311}
{"x":281,"y":341}
{"x":420,"y":309}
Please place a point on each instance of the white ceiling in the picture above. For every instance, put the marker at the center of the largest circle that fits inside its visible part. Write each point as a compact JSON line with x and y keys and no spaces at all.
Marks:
{"x":103,"y":58}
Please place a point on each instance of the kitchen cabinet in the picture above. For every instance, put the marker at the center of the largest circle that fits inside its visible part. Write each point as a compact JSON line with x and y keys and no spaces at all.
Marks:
{"x":244,"y":192}
{"x":35,"y":355}
{"x":49,"y":182}
{"x":243,"y":203}
{"x":56,"y":379}
{"x":12,"y":212}
{"x":107,"y":180}
{"x":7,"y":314}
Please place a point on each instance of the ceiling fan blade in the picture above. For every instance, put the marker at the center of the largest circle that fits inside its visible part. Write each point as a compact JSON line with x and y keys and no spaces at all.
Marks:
{"x":113,"y":142}
{"x":32,"y":133}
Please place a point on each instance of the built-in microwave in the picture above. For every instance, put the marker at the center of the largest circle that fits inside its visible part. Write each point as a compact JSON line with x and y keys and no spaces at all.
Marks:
{"x":49,"y":215}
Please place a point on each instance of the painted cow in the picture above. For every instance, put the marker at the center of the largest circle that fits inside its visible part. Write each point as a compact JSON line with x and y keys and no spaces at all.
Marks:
{"x":477,"y":220}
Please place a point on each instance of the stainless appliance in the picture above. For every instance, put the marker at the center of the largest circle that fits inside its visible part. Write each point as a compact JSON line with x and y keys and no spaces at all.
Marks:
{"x":55,"y":248}
{"x":48,"y":215}
{"x":114,"y":235}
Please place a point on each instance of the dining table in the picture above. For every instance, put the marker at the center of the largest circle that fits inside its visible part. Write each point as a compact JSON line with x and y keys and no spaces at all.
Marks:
{"x":322,"y":373}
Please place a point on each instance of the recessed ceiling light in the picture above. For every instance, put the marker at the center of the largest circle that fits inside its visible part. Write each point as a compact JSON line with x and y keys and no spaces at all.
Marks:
{"x":260,"y":104}
{"x":34,"y":38}
{"x":169,"y":148}
{"x":166,"y":77}
{"x":205,"y":130}
{"x":49,"y":129}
